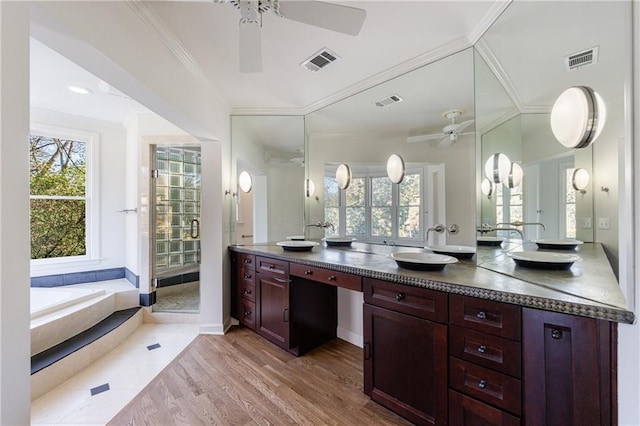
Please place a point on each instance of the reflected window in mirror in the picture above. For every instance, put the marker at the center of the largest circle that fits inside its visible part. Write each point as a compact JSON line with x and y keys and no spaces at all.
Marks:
{"x":375,"y":210}
{"x":569,"y":203}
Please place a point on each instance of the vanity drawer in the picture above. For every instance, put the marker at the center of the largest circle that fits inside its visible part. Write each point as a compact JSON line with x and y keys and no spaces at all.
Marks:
{"x":499,"y":319}
{"x":335,"y":278}
{"x":246,"y":261}
{"x":248,"y":313}
{"x":273,"y":267}
{"x":467,"y":411}
{"x":484,"y":349}
{"x":486,"y":385}
{"x":247,"y":276}
{"x":416,"y":301}
{"x":248,"y":291}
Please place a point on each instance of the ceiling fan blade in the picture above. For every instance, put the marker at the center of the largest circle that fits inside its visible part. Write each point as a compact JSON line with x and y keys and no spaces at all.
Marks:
{"x":425,"y":138}
{"x":250,"y":47}
{"x":461,"y":126}
{"x":335,"y":17}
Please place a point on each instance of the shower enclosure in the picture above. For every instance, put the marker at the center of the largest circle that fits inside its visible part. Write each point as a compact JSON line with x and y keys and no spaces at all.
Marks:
{"x":175,"y":198}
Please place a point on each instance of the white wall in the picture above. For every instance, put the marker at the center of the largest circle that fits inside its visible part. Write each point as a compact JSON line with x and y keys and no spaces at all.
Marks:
{"x":112,"y":176}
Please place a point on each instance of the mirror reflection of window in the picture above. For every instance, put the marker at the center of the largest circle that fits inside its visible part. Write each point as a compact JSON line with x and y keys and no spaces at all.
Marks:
{"x":355,"y":209}
{"x":409,"y":206}
{"x":509,"y":207}
{"x":569,"y":204}
{"x":381,"y":202}
{"x":332,"y":203}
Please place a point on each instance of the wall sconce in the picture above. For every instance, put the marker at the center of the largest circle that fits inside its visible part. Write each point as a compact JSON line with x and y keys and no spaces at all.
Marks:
{"x":497,"y":167}
{"x":580,"y":180}
{"x":514,"y":178}
{"x":578,"y":116}
{"x":309,"y":188}
{"x":343,"y":176}
{"x":245,"y":181}
{"x":487,"y":187}
{"x":395,"y":168}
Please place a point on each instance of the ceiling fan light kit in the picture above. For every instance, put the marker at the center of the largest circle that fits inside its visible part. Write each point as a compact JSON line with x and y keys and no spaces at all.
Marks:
{"x":450,"y":133}
{"x":334,"y":17}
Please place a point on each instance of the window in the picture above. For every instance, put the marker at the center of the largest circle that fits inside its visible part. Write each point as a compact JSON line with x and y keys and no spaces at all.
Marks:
{"x":373,"y":209}
{"x":509,"y":207}
{"x":61,"y":202}
{"x":569,"y":204}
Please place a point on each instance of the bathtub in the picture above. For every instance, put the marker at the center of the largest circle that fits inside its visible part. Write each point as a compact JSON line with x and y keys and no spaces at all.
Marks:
{"x":47,"y":300}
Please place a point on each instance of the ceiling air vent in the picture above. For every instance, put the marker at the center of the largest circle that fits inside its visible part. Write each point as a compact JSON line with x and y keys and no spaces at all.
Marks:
{"x":389,"y":100}
{"x":581,"y":59}
{"x":319,"y":60}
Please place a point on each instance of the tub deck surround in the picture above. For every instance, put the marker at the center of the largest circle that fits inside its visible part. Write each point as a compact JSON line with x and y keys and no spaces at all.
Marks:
{"x":589,"y":289}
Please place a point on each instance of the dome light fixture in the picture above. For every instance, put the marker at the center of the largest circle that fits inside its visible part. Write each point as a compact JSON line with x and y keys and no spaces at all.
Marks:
{"x":343,"y":176}
{"x":578,"y":116}
{"x":80,"y":90}
{"x":514,"y":178}
{"x":580,"y":180}
{"x":497,"y":168}
{"x":395,"y":168}
{"x":245,"y":181}
{"x":487,"y":187}
{"x":309,"y":188}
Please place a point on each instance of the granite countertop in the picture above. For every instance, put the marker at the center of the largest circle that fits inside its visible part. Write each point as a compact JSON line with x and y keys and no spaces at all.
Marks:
{"x":588,"y":289}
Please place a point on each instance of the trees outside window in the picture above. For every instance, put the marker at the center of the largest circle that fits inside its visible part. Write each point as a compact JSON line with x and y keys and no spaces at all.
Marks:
{"x":58,"y":196}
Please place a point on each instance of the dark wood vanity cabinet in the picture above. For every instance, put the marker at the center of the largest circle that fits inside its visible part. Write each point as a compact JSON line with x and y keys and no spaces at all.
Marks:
{"x":243,"y":289}
{"x":568,"y":369}
{"x":272,"y":302}
{"x":405,"y":350}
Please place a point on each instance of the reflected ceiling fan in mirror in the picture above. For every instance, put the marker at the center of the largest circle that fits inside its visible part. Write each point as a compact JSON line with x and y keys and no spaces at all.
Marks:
{"x":450,"y":132}
{"x":335,"y":17}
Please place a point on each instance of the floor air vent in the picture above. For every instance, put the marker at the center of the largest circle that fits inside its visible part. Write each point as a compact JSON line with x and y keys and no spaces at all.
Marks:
{"x":581,"y":59}
{"x":389,"y":100}
{"x":319,"y":60}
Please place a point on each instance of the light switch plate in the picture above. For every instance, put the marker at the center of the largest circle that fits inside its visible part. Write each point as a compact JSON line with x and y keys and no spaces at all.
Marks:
{"x":586,"y":223}
{"x":604,"y":223}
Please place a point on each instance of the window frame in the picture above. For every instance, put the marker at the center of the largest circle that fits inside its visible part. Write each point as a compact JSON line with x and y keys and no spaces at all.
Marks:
{"x":92,"y":197}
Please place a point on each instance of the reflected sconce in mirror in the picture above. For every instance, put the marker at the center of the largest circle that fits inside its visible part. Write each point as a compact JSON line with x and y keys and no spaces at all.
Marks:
{"x":309,"y":188}
{"x":245,"y":181}
{"x":580,"y":180}
{"x":514,"y":178}
{"x":578,"y":116}
{"x":343,"y":176}
{"x":497,"y":168}
{"x":395,"y":168}
{"x":487,"y":187}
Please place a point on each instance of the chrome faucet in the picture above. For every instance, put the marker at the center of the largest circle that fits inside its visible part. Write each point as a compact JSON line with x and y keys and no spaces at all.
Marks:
{"x":319,"y":224}
{"x":518,"y":223}
{"x":484,"y":228}
{"x":439,"y":228}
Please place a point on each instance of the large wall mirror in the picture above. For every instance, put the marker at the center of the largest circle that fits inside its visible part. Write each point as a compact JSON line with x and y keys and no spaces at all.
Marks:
{"x":270,"y":150}
{"x":405,"y":116}
{"x":521,"y":67}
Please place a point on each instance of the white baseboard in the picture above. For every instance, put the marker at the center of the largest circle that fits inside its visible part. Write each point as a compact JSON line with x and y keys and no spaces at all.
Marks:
{"x":216,"y":329}
{"x":350,"y":336}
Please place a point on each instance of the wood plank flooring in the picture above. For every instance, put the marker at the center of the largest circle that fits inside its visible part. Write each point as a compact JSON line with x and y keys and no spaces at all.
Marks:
{"x":242,"y":379}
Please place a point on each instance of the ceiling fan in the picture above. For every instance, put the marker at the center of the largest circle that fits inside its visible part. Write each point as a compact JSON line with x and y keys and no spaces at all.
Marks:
{"x":450,"y":132}
{"x":343,"y":19}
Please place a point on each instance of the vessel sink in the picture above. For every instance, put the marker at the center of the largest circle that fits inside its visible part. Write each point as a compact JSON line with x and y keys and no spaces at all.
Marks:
{"x":297,"y":245}
{"x":489,"y":241}
{"x":566,"y":244}
{"x":459,"y":252}
{"x":422,"y":261}
{"x":338,"y":241}
{"x":544,"y":260}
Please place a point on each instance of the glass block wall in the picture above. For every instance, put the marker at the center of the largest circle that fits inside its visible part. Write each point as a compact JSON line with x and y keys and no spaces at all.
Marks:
{"x":177,"y":191}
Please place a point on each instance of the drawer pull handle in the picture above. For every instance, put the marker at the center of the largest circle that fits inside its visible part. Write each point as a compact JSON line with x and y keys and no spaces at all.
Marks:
{"x":271,"y":266}
{"x":481,"y":315}
{"x":332,"y":278}
{"x":400,"y":297}
{"x":556,"y":334}
{"x":308,"y":272}
{"x":247,"y":261}
{"x":482,"y":349}
{"x":247,"y":313}
{"x":247,"y":276}
{"x":482,"y":384}
{"x":246,"y":292}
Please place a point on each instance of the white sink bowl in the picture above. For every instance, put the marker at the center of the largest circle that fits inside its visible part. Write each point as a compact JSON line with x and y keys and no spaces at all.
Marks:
{"x":459,"y":252}
{"x":566,"y":244}
{"x":422,"y":261}
{"x":544,"y":260}
{"x":297,"y":245}
{"x":489,"y":241}
{"x":338,"y":241}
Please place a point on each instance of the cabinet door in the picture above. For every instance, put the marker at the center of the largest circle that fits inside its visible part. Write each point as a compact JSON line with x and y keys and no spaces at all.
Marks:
{"x":405,"y":366}
{"x":465,"y":411}
{"x":272,"y":307}
{"x":567,"y":369}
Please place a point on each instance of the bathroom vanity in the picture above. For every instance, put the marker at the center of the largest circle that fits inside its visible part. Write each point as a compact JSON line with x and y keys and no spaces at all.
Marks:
{"x":465,"y":345}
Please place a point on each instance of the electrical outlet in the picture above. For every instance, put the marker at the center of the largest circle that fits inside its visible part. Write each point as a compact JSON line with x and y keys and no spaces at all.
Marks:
{"x":604,"y":223}
{"x":586,"y":223}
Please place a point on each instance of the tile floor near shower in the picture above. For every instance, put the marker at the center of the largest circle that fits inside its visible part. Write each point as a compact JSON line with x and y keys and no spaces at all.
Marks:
{"x":96,"y":394}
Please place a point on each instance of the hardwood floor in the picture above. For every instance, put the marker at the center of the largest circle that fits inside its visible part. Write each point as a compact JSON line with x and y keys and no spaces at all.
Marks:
{"x":241,"y":379}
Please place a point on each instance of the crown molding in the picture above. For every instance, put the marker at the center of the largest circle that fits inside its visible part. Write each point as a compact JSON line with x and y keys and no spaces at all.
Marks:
{"x":152,"y":21}
{"x":487,"y":20}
